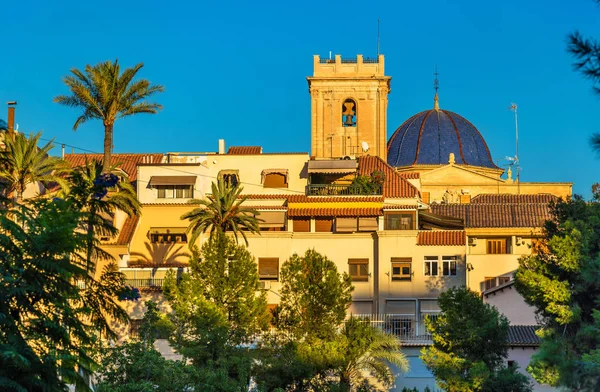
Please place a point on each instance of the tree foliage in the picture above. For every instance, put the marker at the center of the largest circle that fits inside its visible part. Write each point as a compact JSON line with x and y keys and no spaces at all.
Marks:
{"x":586,"y":52}
{"x":314,"y":296}
{"x":105,"y":93}
{"x":222,"y":212}
{"x":217,"y":310}
{"x":23,"y":163}
{"x":562,"y":281}
{"x":44,"y":342}
{"x":469,"y":346}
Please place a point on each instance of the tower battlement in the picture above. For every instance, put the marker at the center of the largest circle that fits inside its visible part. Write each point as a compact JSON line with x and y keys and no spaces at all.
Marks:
{"x":357,"y":66}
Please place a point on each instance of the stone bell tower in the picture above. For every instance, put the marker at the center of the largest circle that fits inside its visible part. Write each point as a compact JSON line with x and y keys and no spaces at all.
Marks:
{"x":349,"y":107}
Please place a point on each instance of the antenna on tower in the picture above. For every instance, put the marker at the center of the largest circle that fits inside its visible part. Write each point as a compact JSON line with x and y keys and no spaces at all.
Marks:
{"x":515,"y":161}
{"x":378,"y":39}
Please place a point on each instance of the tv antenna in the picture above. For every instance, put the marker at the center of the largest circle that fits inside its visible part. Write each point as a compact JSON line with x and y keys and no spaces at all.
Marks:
{"x":515,"y":160}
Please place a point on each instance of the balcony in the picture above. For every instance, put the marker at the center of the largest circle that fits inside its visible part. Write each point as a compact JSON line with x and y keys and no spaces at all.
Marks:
{"x":146,"y":283}
{"x":341,"y":190}
{"x":407,"y":327}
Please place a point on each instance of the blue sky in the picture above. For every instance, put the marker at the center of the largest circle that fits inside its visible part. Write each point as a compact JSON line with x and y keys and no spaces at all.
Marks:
{"x":237,"y":70}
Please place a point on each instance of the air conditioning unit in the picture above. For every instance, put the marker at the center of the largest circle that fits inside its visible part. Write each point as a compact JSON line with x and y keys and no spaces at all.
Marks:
{"x":264,"y":285}
{"x":472,"y":241}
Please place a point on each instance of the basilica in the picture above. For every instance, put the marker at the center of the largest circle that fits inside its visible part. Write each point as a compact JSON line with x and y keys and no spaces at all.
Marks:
{"x":406,"y":215}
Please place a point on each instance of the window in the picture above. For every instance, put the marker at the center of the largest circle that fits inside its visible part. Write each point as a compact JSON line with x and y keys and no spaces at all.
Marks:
{"x":268,"y":268}
{"x":324,"y":225}
{"x":230,"y":177}
{"x":349,"y":113}
{"x":511,"y":364}
{"x":398,"y":221}
{"x":359,"y":269}
{"x":175,"y":235}
{"x":489,"y":283}
{"x":497,"y":246}
{"x":175,"y":191}
{"x":275,"y":178}
{"x":272,"y":220}
{"x":367,"y":224}
{"x":503,"y":280}
{"x":301,"y":225}
{"x":401,"y":268}
{"x":430,"y":266}
{"x":449,"y":265}
{"x":346,"y":225}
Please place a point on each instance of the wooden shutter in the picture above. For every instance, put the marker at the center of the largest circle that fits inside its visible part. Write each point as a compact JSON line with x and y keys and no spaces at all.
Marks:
{"x":275,"y":180}
{"x":324,"y":225}
{"x":268,"y":268}
{"x":367,"y":224}
{"x":345,"y":225}
{"x":301,"y":225}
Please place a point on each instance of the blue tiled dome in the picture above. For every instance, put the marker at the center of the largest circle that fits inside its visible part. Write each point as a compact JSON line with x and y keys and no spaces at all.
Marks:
{"x":428,"y":138}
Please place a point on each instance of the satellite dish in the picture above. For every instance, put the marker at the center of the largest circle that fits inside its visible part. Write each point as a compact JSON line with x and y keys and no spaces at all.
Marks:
{"x":365,"y":146}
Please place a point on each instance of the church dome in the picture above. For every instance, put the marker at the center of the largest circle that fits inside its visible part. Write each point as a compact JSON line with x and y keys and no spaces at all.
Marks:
{"x":428,"y":138}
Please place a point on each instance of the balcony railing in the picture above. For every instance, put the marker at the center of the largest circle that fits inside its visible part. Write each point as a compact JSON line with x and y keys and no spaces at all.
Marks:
{"x":150,"y":283}
{"x":407,"y":327}
{"x":341,"y":190}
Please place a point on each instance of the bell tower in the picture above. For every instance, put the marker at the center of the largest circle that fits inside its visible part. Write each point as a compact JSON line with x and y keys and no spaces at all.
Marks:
{"x":349,"y":99}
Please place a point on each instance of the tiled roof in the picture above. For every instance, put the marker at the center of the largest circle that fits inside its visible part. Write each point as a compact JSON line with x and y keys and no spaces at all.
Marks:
{"x":411,"y":176}
{"x":395,"y":185}
{"x":523,"y":335}
{"x":441,"y":237}
{"x":501,"y":287}
{"x":244,"y":150}
{"x":335,"y":212}
{"x":126,"y":162}
{"x":126,"y":233}
{"x":300,"y":198}
{"x":541,"y":198}
{"x":393,"y":207}
{"x":496,"y":215}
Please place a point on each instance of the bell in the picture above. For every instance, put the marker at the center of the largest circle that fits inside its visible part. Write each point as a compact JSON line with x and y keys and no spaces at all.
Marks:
{"x":349,"y":122}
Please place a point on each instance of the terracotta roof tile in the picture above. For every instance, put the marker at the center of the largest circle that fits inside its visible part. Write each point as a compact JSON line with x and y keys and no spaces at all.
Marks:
{"x":410,"y":176}
{"x":126,"y":162}
{"x":441,"y":237}
{"x":496,"y":215}
{"x":335,"y":212}
{"x":244,"y":150}
{"x":300,"y":198}
{"x":395,"y":184}
{"x":541,"y":198}
{"x":126,"y":233}
{"x":523,"y":335}
{"x":390,"y":207}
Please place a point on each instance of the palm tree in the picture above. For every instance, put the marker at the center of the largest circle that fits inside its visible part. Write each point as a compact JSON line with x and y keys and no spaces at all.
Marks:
{"x":222,"y":212}
{"x":22,"y":163}
{"x":98,"y":194}
{"x":368,"y":351}
{"x":104,"y":93}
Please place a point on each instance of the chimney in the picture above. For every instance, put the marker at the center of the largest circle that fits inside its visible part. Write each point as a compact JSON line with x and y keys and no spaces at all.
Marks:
{"x":11,"y":116}
{"x":221,"y":146}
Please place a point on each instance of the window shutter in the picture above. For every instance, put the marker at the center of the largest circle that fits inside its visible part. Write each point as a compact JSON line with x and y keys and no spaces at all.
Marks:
{"x":301,"y":225}
{"x":324,"y":225}
{"x":400,"y":307}
{"x":345,"y":225}
{"x":367,"y":224}
{"x":275,"y":180}
{"x":268,"y":268}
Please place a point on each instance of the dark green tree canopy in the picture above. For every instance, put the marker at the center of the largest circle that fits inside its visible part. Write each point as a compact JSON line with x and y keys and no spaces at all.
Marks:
{"x":314,"y":295}
{"x":470,"y":345}
{"x":562,"y":281}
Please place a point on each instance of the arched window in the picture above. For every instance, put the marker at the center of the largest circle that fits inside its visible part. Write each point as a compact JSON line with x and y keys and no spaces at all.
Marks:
{"x":349,"y":113}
